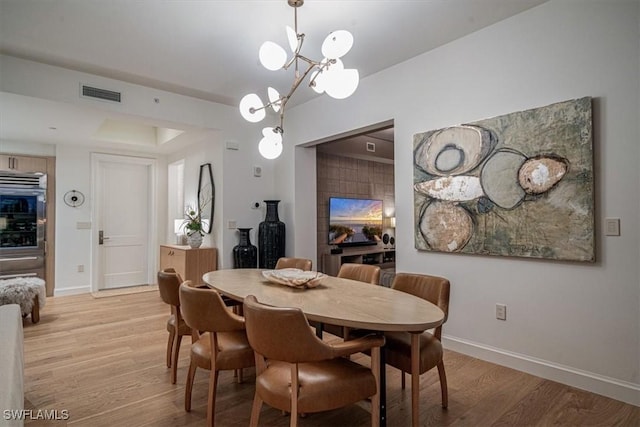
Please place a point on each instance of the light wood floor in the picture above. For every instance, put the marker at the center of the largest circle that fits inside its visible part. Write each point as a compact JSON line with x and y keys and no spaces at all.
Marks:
{"x":103,"y":360}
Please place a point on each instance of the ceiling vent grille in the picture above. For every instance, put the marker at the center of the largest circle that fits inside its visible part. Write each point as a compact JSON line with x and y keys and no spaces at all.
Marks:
{"x":104,"y":94}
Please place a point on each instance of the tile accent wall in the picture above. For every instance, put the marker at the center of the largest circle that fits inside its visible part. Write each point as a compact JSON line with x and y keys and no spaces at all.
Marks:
{"x":348,"y":177}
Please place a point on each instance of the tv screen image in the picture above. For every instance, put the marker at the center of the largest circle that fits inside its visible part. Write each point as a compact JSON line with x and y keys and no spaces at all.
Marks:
{"x":354,"y":222}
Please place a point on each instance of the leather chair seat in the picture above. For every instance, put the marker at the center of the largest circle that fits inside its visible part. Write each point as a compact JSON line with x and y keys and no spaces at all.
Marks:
{"x":221,"y":342}
{"x":324,"y":385}
{"x":301,"y":263}
{"x":359,"y":272}
{"x":299,"y":373}
{"x":235,"y":352}
{"x":168,"y":286}
{"x":398,"y":350}
{"x":183,"y":329}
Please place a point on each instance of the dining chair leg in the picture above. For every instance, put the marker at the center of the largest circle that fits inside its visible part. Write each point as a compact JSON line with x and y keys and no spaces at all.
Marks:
{"x":211,"y":401}
{"x":240,"y":378}
{"x":443,"y":385}
{"x":170,"y":346}
{"x":375,"y":399}
{"x":188,"y":388}
{"x":255,"y":410}
{"x":403,"y":383}
{"x":415,"y":380}
{"x":174,"y":359}
{"x":294,"y":395}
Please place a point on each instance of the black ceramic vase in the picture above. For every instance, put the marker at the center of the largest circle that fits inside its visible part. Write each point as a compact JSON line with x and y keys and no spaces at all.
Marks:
{"x":271,"y":236}
{"x":245,"y":255}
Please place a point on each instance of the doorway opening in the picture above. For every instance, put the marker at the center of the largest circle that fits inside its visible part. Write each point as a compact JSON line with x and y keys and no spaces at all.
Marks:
{"x":356,"y":165}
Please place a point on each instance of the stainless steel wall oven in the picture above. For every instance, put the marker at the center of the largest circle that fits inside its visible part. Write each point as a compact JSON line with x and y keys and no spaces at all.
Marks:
{"x":22,"y":224}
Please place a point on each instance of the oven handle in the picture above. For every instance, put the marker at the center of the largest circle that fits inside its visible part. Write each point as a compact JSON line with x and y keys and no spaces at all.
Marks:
{"x":24,"y":258}
{"x":11,"y":276}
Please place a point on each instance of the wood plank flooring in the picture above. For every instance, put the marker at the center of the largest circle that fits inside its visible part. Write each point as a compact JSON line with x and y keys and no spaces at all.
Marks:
{"x":103,"y":360}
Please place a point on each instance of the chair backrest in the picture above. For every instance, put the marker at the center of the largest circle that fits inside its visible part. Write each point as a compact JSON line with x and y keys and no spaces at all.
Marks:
{"x":169,"y":286}
{"x":431,"y":288}
{"x":301,"y":263}
{"x":204,"y":310}
{"x":361,"y":272}
{"x":282,"y":333}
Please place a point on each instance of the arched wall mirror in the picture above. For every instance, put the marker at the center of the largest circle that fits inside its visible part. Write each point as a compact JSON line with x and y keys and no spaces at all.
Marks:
{"x":206,"y":196}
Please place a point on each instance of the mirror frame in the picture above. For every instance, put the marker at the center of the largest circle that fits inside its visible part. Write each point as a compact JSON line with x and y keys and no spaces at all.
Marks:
{"x":205,"y":178}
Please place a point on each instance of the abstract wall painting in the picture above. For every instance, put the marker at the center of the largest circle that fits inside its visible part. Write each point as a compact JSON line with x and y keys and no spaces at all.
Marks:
{"x":515,"y":185}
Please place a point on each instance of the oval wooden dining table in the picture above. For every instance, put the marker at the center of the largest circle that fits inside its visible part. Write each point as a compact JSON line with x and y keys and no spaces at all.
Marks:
{"x":341,"y":302}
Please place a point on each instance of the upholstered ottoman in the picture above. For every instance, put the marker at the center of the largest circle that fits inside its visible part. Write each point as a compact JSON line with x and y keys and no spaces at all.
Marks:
{"x":28,"y":292}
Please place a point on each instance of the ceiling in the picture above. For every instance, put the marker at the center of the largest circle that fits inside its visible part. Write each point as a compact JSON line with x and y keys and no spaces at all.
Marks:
{"x":209,"y":49}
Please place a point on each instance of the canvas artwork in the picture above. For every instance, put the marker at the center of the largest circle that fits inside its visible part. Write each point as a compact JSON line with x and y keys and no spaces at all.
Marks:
{"x":514,"y":185}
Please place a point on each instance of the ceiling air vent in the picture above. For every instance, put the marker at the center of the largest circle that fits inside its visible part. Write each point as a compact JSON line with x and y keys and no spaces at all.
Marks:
{"x":104,"y":94}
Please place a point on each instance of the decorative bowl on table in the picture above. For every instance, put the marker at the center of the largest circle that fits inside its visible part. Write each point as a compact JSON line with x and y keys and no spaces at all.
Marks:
{"x":294,"y":277}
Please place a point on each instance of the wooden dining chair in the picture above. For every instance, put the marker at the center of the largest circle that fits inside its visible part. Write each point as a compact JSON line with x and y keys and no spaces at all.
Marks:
{"x":362,"y":273}
{"x":299,"y":373}
{"x":222,"y":346}
{"x":169,"y":287}
{"x":301,"y":263}
{"x":418,"y":353}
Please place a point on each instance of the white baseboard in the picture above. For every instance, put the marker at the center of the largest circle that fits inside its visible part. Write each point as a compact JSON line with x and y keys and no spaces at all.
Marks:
{"x":58,"y":292}
{"x":610,"y":387}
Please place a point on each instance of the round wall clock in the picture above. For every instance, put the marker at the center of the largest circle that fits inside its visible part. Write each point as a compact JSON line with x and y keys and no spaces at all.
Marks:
{"x":74,"y":198}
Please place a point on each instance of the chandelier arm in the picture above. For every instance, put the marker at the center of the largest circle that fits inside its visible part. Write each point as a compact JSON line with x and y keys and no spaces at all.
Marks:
{"x":309,"y":61}
{"x":321,"y":67}
{"x":295,"y":84}
{"x":254,"y":109}
{"x":296,"y":54}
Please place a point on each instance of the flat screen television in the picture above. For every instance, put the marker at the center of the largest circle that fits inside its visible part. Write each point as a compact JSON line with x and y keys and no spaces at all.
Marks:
{"x":354,"y":222}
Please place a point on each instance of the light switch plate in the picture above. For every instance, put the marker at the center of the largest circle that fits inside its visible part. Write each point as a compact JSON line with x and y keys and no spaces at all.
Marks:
{"x":501,"y":312}
{"x":612,"y":227}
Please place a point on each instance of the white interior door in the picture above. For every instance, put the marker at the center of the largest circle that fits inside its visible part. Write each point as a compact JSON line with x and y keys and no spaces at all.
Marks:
{"x":124,"y":194}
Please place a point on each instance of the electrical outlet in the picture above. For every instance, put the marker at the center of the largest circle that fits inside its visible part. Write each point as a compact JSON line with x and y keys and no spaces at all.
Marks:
{"x":501,"y":312}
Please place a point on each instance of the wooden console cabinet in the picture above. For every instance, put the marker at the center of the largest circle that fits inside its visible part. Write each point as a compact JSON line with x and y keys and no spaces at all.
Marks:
{"x":384,"y":258}
{"x":189,"y":263}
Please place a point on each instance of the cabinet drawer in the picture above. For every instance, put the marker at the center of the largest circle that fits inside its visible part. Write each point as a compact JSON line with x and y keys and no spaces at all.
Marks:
{"x":23,"y":163}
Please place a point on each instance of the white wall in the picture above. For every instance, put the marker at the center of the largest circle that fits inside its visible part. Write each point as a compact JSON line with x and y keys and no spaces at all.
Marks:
{"x":236,"y":187}
{"x":572,"y":322}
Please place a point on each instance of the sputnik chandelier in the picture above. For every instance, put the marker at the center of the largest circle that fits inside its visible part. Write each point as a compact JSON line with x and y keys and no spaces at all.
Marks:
{"x":327,"y":75}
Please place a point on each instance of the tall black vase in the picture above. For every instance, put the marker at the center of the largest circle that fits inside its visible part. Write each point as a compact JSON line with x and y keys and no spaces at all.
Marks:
{"x":271,"y":236}
{"x":245,"y":255}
